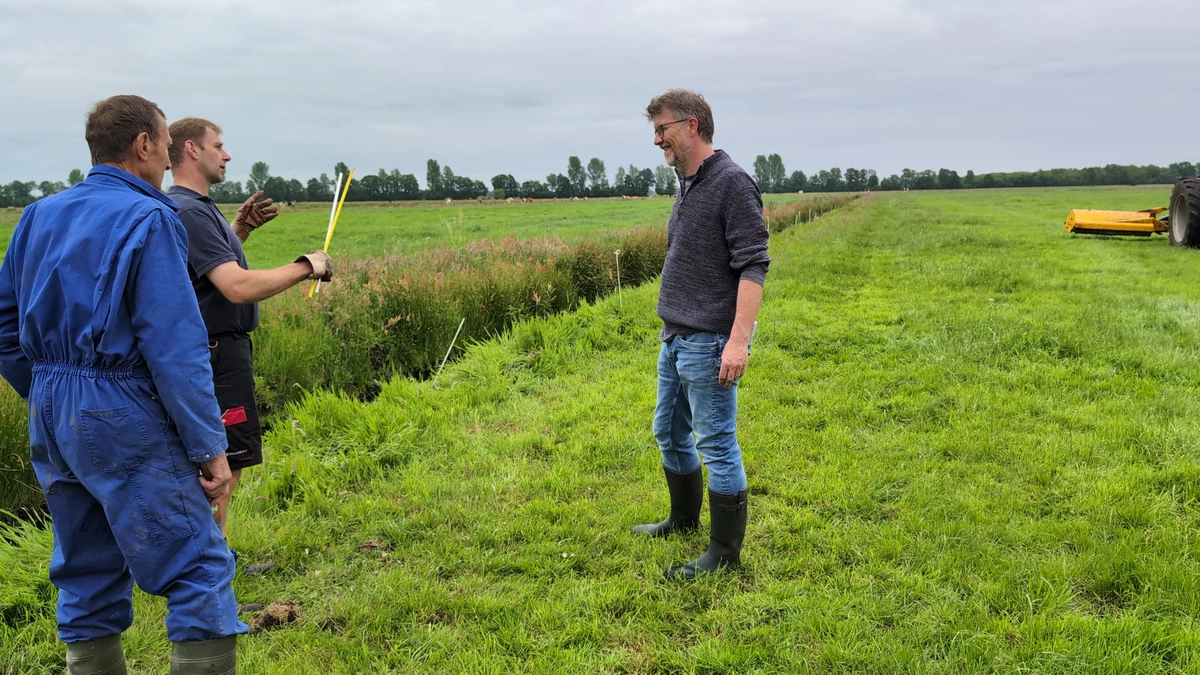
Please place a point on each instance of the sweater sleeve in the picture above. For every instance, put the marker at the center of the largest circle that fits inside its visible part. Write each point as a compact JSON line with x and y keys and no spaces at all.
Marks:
{"x":745,"y":231}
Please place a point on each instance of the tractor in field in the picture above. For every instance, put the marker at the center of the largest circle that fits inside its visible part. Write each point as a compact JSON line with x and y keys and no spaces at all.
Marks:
{"x":1181,"y":224}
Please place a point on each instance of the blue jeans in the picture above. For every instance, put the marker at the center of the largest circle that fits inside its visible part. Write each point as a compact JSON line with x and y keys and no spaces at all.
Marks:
{"x":692,"y":401}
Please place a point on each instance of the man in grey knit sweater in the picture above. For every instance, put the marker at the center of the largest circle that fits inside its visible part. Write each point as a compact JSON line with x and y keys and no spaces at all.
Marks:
{"x":712,"y":285}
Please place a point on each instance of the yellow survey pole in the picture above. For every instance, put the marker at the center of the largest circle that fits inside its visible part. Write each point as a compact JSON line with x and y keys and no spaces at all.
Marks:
{"x":333,"y":226}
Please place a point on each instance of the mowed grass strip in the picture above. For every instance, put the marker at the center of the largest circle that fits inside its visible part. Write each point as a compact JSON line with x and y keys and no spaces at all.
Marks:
{"x":971,"y":441}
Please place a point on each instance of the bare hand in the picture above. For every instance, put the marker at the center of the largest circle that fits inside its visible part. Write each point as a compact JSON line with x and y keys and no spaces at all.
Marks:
{"x":216,"y":479}
{"x":733,"y":363}
{"x":253,"y":214}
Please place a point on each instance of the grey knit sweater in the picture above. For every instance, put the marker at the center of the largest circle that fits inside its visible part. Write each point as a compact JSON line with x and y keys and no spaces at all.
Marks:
{"x":716,"y":237}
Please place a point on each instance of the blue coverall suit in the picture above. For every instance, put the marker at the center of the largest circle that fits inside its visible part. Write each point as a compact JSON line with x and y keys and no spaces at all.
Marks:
{"x":100,"y":332}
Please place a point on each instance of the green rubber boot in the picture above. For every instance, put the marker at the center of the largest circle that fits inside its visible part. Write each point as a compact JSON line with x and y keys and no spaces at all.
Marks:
{"x":205,"y":657}
{"x":103,"y":656}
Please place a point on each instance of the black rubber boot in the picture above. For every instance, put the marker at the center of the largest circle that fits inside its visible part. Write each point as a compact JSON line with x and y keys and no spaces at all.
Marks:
{"x":205,"y":657}
{"x":102,"y":656}
{"x":687,"y":496}
{"x":727,"y":529}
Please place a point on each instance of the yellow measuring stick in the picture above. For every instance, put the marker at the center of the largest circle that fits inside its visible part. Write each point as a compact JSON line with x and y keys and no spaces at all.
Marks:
{"x":333,"y":226}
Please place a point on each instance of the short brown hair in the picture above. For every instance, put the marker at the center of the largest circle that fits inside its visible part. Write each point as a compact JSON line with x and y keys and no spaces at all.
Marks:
{"x":115,"y":123}
{"x":687,"y":103}
{"x":188,"y":129}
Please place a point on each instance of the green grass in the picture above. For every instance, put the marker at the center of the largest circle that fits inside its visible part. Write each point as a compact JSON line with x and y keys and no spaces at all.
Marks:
{"x":409,"y":227}
{"x":971,"y":442}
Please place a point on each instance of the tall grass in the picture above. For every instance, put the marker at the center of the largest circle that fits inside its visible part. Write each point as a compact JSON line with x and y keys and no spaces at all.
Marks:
{"x":18,"y":486}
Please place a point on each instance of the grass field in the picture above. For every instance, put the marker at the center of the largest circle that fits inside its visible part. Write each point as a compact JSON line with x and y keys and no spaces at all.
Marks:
{"x":375,"y":229}
{"x":971,"y":442}
{"x":408,"y":227}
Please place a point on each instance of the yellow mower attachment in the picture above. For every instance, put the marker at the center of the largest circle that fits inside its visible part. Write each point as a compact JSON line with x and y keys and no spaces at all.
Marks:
{"x":1133,"y":223}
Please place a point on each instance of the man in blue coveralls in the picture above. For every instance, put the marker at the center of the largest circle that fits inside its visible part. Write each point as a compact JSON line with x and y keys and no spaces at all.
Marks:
{"x":100,"y":332}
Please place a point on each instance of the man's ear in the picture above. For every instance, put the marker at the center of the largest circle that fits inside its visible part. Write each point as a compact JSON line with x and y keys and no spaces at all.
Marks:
{"x":141,"y":146}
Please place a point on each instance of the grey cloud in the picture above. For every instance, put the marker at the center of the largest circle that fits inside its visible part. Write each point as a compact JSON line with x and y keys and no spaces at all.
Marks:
{"x":517,"y":86}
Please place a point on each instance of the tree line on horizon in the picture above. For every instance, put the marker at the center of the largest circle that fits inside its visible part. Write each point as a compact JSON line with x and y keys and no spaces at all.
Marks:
{"x":592,"y":181}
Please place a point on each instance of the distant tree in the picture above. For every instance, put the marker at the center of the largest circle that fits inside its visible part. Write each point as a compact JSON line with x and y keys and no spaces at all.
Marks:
{"x":48,"y":188}
{"x":619,"y":181}
{"x":370,"y":188}
{"x":226,"y":192}
{"x":762,"y":173}
{"x":506,"y":182}
{"x":577,"y":175}
{"x":76,"y":176}
{"x":433,"y":179}
{"x":1182,"y":170}
{"x":644,"y":184}
{"x":597,"y":178}
{"x":796,"y":182}
{"x":535,"y":190}
{"x":834,"y":182}
{"x":316,"y":192}
{"x":969,"y":180}
{"x":559,"y":184}
{"x":776,"y":174}
{"x":872,"y":180}
{"x":665,"y":182}
{"x":409,"y":188}
{"x":925,"y":180}
{"x":949,"y":180}
{"x":856,"y":180}
{"x":277,"y":188}
{"x":260,"y":175}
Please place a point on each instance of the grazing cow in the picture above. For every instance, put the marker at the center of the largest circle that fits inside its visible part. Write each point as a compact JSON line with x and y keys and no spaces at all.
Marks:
{"x":509,"y":200}
{"x":574,"y":199}
{"x":527,"y":200}
{"x":291,"y":203}
{"x":448,"y":200}
{"x":480,"y":199}
{"x":585,"y":199}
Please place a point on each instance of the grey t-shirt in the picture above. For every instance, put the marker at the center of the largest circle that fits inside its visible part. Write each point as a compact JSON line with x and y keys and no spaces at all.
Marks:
{"x":211,"y":242}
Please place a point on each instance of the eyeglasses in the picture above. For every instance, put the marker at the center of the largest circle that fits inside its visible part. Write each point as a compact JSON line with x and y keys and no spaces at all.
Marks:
{"x":661,"y":129}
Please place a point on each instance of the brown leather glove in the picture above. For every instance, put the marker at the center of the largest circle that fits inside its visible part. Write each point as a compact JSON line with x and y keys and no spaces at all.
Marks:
{"x":253,"y":214}
{"x":322,"y":265}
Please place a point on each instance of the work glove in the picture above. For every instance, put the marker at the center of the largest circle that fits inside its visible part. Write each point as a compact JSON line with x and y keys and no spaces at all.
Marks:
{"x":322,"y":265}
{"x":253,"y":214}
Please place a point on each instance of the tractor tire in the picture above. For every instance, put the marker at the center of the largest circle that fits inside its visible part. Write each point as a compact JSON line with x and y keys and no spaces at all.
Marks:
{"x":1185,"y":213}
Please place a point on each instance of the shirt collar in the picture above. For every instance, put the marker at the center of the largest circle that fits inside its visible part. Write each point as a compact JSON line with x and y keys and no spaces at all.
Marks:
{"x":187,"y":192}
{"x":111,"y":172}
{"x":713,"y":159}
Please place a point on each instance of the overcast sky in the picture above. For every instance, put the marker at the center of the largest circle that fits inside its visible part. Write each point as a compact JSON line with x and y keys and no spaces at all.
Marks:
{"x":518,"y":86}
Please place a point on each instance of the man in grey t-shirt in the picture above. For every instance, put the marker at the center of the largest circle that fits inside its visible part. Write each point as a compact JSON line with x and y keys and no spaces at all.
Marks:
{"x":712,"y":284}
